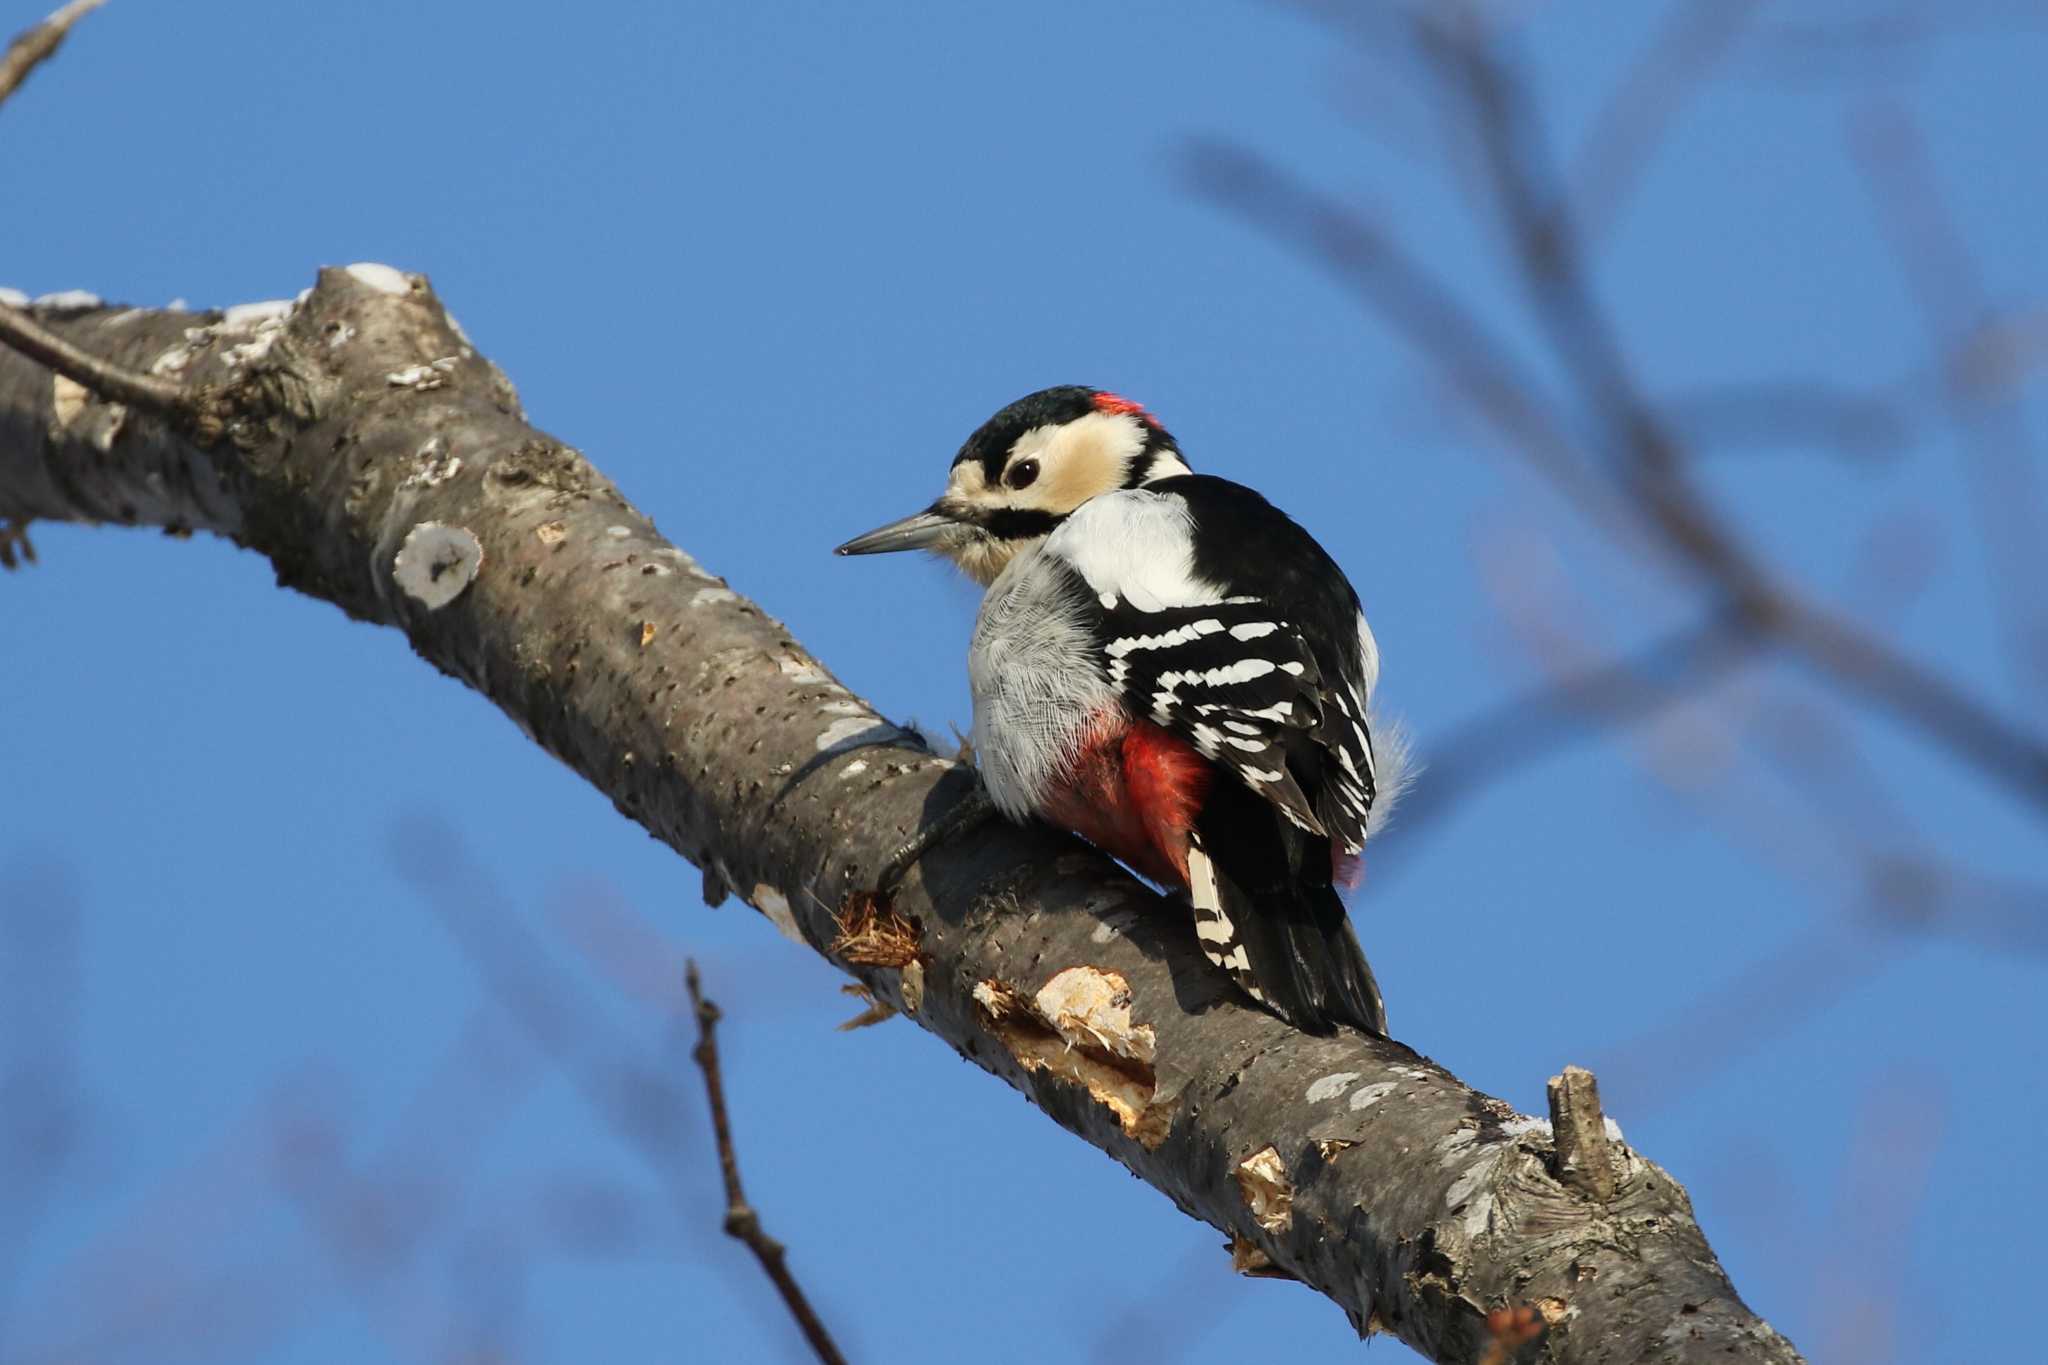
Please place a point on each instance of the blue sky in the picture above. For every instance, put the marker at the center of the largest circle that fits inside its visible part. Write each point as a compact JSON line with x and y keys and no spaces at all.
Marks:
{"x":767,"y":265}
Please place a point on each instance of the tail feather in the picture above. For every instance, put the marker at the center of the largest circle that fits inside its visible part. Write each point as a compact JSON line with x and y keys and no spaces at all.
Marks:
{"x":1288,"y":944}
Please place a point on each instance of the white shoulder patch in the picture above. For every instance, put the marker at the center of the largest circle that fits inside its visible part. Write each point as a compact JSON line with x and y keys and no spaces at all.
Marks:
{"x":1138,"y":546}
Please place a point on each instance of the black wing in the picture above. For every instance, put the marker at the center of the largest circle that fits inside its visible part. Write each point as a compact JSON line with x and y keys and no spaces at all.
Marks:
{"x":1272,"y":680}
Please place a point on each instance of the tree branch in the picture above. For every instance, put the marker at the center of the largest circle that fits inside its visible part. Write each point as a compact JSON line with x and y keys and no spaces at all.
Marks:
{"x":382,"y":465}
{"x":741,"y":1220}
{"x":21,"y":331}
{"x":34,"y":46}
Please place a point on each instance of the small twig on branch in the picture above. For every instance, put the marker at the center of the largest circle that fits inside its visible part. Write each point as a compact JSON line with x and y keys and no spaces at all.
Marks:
{"x":33,"y":46}
{"x":741,"y":1220}
{"x":144,"y":392}
{"x":1580,"y":1131}
{"x":147,"y":393}
{"x":15,"y":546}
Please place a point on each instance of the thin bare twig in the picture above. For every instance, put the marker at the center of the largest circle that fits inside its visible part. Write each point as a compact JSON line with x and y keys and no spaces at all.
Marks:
{"x":1859,"y":426}
{"x":1625,"y":135}
{"x":15,"y":546}
{"x":1648,"y":457}
{"x":146,"y":393}
{"x":1425,"y":311}
{"x":1538,"y":722}
{"x":1999,"y":472}
{"x":141,"y":391}
{"x":741,"y":1220}
{"x":33,"y":46}
{"x":642,"y":1103}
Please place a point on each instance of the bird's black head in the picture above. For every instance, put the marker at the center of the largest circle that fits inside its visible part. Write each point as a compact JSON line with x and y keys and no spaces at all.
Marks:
{"x":1025,"y":469}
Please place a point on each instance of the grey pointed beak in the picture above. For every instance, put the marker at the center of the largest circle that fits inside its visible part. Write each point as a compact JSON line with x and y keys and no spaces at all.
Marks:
{"x":917,"y":532}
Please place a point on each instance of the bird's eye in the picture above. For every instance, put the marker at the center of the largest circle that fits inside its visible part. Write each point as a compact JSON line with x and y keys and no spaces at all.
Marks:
{"x":1022,"y":474}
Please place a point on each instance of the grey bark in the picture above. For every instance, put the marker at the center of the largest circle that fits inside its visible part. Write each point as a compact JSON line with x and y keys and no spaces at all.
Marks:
{"x":364,"y":447}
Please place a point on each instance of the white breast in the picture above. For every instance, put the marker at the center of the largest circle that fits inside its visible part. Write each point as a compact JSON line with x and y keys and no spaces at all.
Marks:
{"x":1036,"y":681}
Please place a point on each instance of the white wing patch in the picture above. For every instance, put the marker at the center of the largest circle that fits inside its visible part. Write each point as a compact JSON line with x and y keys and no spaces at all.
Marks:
{"x":1136,"y":546}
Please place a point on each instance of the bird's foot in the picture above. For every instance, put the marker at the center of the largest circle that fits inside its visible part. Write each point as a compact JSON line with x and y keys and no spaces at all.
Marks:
{"x":969,"y":812}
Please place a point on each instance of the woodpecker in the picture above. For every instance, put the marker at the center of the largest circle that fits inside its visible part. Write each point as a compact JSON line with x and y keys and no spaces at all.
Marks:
{"x":1167,"y":665}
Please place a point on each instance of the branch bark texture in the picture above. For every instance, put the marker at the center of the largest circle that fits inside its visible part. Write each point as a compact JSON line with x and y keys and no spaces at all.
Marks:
{"x":381,"y":464}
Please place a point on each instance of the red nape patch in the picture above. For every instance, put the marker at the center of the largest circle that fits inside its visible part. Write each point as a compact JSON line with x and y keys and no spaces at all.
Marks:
{"x":1116,"y":403}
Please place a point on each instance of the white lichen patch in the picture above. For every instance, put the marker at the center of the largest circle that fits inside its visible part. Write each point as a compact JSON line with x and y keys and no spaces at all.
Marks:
{"x":110,"y":430}
{"x":711,"y":597}
{"x":911,"y":984}
{"x":436,"y":563}
{"x":242,"y":316}
{"x":689,"y":563}
{"x":65,"y":299}
{"x":13,"y":298}
{"x":1268,"y":1193}
{"x":382,"y":278}
{"x":172,"y":362}
{"x":1471,"y":1193}
{"x":1478,"y":1214}
{"x":1330,"y":1087}
{"x":341,"y":336}
{"x":124,"y":317}
{"x":1366,"y":1096}
{"x":260,"y":325}
{"x":1114,"y":925}
{"x":68,"y":398}
{"x":801,"y":673}
{"x":848,"y":729}
{"x":1522,"y":1125}
{"x":432,"y":466}
{"x":1468,"y":1183}
{"x":853,"y":769}
{"x":1453,"y":1146}
{"x":619,"y":532}
{"x":255,"y":348}
{"x":775,"y":906}
{"x":423,"y":378}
